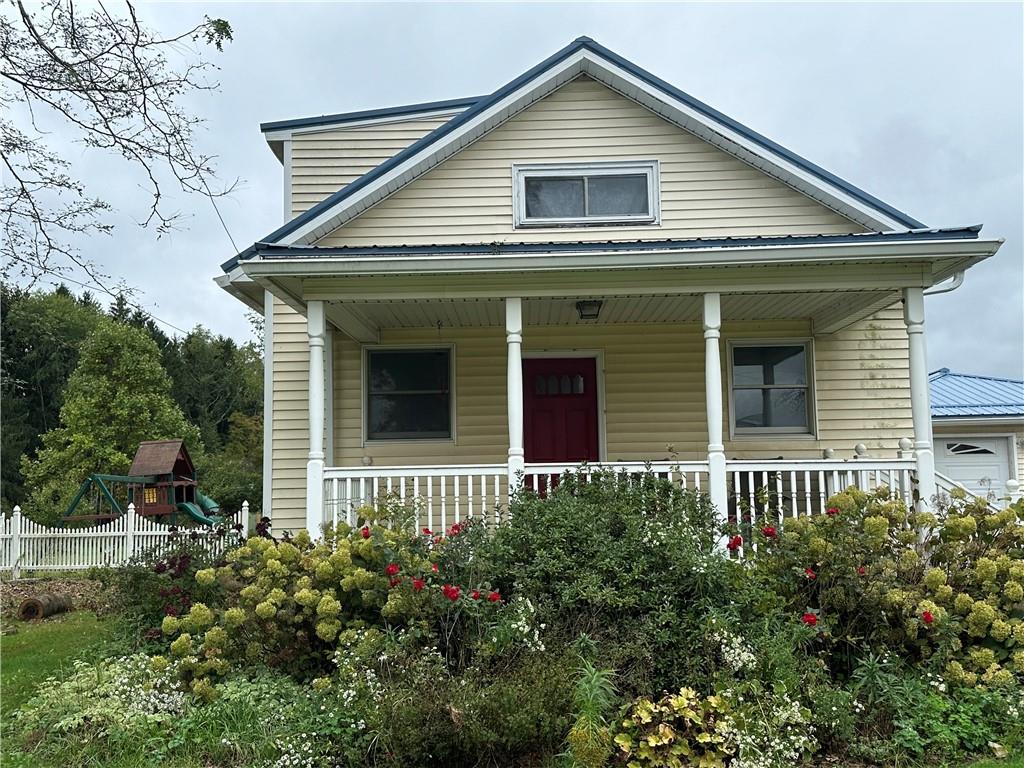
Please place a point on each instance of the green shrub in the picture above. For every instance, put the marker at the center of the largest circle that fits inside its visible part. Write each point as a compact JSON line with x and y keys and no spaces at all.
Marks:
{"x":628,"y":560}
{"x":947,"y":588}
{"x":162,"y":582}
{"x":678,"y":730}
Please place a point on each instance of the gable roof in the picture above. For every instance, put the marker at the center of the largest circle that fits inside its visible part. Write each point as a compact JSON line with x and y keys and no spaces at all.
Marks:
{"x":159,"y":457}
{"x":585,"y":56}
{"x":965,"y":395}
{"x":343,"y":118}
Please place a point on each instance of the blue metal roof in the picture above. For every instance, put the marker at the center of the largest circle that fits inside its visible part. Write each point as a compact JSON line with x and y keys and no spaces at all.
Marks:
{"x":369,"y":114}
{"x":277,"y":251}
{"x":580,"y":43}
{"x":963,"y":395}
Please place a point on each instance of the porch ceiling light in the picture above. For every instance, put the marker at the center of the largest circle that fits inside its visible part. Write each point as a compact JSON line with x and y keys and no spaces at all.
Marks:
{"x":588,"y":310}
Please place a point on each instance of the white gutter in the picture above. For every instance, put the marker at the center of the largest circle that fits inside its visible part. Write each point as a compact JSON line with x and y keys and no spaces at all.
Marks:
{"x":952,"y":285}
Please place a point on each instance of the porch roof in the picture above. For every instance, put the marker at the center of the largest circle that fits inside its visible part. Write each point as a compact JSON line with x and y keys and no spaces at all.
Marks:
{"x":280,"y":251}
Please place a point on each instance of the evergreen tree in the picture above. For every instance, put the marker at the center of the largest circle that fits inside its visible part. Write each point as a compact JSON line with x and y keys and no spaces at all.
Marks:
{"x":118,"y":396}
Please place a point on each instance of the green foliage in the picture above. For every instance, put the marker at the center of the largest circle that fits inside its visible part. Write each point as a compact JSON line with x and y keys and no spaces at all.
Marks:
{"x":117,"y":397}
{"x":946,"y":589}
{"x":629,"y":561}
{"x":235,"y":473}
{"x":590,"y":738}
{"x":40,"y":335}
{"x":678,"y":730}
{"x":162,"y":583}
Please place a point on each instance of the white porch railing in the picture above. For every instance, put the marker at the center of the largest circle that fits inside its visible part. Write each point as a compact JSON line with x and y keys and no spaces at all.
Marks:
{"x":442,"y":495}
{"x":797,"y":487}
{"x":687,"y":474}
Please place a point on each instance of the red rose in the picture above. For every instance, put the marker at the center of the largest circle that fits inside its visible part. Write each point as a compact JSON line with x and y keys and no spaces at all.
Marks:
{"x":927,"y":617}
{"x":810,"y":574}
{"x":427,"y":532}
{"x":832,"y":511}
{"x":735,"y":543}
{"x":418,"y":584}
{"x":476,"y":594}
{"x":392,"y":569}
{"x":861,"y":571}
{"x":810,"y":619}
{"x":769,"y":532}
{"x":365,"y":531}
{"x":452,"y":593}
{"x":394,"y":582}
{"x":433,"y":567}
{"x":455,"y":529}
{"x":494,"y":597}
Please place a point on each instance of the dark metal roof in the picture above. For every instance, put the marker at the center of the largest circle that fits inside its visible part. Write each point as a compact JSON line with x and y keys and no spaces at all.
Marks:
{"x":158,"y":457}
{"x":275,"y":251}
{"x":484,"y":103}
{"x":369,"y":114}
{"x":965,"y":395}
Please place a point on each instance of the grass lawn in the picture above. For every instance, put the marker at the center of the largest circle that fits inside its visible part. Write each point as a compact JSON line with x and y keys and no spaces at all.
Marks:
{"x":42,"y":648}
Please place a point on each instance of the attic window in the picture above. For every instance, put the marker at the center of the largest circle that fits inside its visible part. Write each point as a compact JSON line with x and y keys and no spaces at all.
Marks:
{"x":586,"y":194}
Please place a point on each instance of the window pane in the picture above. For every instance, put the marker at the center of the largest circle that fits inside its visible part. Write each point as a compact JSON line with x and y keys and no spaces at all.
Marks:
{"x":771,"y":408}
{"x":408,"y":416}
{"x":754,"y":366}
{"x":617,"y":195}
{"x":409,"y":370}
{"x":555,"y":198}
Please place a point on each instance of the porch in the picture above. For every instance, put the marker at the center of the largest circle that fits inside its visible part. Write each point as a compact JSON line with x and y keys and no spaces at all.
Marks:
{"x":675,"y":333}
{"x":663,"y":372}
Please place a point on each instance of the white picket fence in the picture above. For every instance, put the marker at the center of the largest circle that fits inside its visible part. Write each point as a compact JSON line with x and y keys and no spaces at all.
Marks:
{"x":28,"y":546}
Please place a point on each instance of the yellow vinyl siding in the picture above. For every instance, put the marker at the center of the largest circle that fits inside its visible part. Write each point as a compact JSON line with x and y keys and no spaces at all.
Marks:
{"x":324,"y":162}
{"x":705,"y":192}
{"x":290,"y":435}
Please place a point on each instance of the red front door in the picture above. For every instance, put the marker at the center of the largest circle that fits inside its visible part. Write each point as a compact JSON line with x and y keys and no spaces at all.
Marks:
{"x":560,"y":409}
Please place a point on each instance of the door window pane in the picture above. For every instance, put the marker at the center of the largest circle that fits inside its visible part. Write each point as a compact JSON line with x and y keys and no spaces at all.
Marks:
{"x":554,"y":198}
{"x":408,"y":394}
{"x":617,"y":195}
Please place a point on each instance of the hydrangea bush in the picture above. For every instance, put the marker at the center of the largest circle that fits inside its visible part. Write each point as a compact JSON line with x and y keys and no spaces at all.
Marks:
{"x":946,"y":589}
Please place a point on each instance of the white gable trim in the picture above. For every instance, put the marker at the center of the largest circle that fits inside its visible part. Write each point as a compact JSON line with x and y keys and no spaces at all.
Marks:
{"x":613,"y":76}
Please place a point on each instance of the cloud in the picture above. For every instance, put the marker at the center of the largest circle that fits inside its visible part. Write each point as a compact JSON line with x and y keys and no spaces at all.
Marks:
{"x":919,"y":104}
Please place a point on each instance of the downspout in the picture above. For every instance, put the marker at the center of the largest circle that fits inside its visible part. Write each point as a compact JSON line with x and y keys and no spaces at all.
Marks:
{"x":952,"y":285}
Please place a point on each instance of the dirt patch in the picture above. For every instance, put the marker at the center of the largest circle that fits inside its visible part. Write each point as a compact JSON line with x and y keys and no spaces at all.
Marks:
{"x":85,"y":594}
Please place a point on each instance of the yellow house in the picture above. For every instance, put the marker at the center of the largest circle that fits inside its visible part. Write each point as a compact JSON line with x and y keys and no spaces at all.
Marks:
{"x":587,"y":265}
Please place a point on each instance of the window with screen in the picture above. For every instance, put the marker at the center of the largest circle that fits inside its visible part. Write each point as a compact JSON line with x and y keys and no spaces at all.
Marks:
{"x":586,"y":194}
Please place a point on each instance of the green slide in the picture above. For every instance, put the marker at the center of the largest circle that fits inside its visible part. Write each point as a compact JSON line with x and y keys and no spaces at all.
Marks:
{"x":204,"y":511}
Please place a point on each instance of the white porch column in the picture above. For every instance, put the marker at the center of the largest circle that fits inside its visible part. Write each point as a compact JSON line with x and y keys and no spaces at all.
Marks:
{"x":268,"y":402}
{"x":315,"y":465}
{"x":514,"y":339}
{"x":920,"y":405}
{"x":717,"y":480}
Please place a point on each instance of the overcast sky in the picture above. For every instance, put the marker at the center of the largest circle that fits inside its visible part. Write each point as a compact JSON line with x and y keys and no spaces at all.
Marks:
{"x":919,"y":104}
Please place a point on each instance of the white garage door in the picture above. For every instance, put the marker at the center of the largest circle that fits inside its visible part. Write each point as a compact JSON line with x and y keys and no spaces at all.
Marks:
{"x":980,"y":464}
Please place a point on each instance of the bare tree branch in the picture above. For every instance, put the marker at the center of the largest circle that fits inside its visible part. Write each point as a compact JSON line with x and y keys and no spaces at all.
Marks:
{"x":118,"y":87}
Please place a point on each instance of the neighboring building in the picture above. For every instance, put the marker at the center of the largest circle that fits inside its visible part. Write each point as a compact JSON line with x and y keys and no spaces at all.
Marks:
{"x":587,"y":264}
{"x":978,"y":423}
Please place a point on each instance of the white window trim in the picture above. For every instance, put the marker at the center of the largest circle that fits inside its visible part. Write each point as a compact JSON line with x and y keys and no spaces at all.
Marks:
{"x":744,"y":433}
{"x":364,"y":393}
{"x":650,"y":168}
